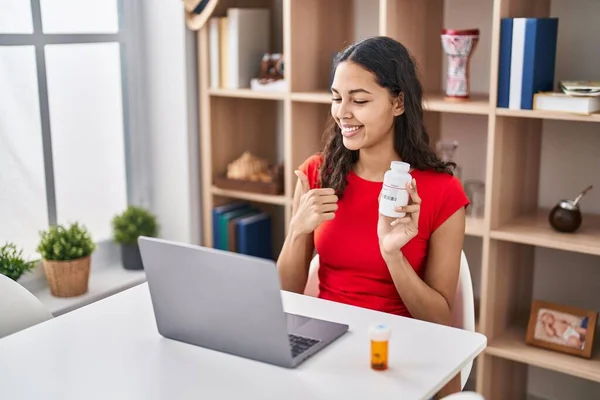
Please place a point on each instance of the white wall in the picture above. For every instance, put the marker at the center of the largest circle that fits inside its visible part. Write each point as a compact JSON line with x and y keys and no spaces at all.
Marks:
{"x":168,"y":104}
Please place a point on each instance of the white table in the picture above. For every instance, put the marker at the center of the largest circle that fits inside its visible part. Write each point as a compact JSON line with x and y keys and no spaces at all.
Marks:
{"x":112,"y":350}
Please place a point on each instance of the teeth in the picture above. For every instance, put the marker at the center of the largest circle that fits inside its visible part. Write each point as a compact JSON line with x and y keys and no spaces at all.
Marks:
{"x":350,"y":128}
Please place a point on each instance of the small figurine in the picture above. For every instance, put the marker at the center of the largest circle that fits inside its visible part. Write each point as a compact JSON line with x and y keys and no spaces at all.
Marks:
{"x":271,"y":68}
{"x":250,"y":168}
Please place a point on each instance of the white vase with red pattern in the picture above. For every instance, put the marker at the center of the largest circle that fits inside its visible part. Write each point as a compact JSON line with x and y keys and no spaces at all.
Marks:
{"x":458,"y":46}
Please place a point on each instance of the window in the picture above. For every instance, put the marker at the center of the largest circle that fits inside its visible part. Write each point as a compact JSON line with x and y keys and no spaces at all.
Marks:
{"x":71,"y":144}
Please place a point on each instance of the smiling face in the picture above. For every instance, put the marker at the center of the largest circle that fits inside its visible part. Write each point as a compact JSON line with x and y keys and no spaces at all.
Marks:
{"x":363,"y":110}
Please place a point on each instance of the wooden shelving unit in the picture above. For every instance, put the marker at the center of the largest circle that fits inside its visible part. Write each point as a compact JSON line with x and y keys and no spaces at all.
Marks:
{"x":286,"y":127}
{"x":478,"y":104}
{"x":257,"y":197}
{"x":539,"y":114}
{"x":510,"y":346}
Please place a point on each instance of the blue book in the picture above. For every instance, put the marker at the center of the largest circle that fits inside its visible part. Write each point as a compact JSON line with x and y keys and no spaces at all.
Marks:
{"x":506,"y":29}
{"x":224,"y":224}
{"x":216,"y":214}
{"x":539,"y":58}
{"x":254,"y":236}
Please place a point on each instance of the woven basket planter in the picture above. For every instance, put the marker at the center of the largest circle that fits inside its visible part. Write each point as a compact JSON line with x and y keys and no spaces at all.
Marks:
{"x":68,"y":278}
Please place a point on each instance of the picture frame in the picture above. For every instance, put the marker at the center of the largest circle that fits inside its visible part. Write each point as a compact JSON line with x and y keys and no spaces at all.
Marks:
{"x":562,"y":328}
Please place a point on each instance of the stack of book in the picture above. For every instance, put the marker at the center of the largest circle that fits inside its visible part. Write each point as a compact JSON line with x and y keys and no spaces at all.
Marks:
{"x":576,"y":97}
{"x":241,"y":228}
{"x":527,"y":60}
{"x":527,"y":66}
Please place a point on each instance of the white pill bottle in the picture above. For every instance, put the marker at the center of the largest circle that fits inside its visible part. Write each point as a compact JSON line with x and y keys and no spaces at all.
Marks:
{"x":393,"y":192}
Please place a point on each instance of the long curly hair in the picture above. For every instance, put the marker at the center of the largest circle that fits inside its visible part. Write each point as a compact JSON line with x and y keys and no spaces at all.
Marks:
{"x":395,"y":70}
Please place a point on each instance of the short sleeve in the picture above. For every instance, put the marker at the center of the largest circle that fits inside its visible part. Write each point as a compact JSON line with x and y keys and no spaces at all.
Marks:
{"x":452,"y":199}
{"x":311,"y":168}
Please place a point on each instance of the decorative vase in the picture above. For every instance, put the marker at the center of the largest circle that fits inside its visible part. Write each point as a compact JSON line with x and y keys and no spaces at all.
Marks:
{"x":68,"y":278}
{"x":131,"y":257}
{"x":458,"y":46}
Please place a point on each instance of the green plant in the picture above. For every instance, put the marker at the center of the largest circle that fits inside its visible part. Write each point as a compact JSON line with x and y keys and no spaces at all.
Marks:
{"x":132,"y":223}
{"x":12,"y":263}
{"x":60,"y":243}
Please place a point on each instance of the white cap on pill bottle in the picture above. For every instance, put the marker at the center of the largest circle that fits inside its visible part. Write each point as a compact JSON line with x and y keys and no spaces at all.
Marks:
{"x":379,"y":332}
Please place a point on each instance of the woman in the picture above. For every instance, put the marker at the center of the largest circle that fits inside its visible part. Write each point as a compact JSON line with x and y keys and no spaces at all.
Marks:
{"x":407,"y":266}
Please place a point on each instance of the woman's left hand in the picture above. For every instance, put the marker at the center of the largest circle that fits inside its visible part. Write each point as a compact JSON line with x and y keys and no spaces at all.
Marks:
{"x":395,"y":233}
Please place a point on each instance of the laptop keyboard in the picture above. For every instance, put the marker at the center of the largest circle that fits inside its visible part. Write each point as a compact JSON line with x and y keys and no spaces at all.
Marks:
{"x":300,"y":344}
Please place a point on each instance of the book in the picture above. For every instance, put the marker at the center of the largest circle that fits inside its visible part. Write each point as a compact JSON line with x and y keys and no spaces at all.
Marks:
{"x":216,"y":214}
{"x":561,"y":102}
{"x":224,"y":219}
{"x":224,"y":53}
{"x":232,"y":230}
{"x":506,"y":29}
{"x":539,"y":59}
{"x":254,"y":236}
{"x":527,"y":60}
{"x":214,"y":44}
{"x":580,"y":88}
{"x":516,"y":63}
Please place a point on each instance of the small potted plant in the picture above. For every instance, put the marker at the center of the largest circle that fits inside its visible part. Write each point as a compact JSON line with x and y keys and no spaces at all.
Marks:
{"x":67,"y":252}
{"x":12,"y":262}
{"x":127,"y":227}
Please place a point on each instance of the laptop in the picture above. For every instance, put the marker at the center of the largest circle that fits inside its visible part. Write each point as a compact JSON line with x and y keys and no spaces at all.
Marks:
{"x":228,"y":302}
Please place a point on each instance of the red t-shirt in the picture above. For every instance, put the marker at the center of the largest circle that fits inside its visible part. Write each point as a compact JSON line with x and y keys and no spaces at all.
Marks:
{"x":352,"y":270}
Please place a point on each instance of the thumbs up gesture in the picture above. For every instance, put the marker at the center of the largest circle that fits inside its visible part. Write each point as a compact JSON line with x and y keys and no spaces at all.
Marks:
{"x":314,"y":207}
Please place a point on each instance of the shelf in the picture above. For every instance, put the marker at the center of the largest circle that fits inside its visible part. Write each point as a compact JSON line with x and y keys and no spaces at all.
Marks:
{"x":511,"y":346}
{"x":312,"y":97}
{"x":260,"y":198}
{"x":538,"y":114}
{"x":477,"y":104}
{"x":536,"y":231}
{"x":104,"y":282}
{"x":248,"y":94}
{"x":474,"y":227}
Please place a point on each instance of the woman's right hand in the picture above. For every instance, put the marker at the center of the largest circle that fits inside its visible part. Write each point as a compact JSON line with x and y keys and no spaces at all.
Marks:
{"x":314,"y":207}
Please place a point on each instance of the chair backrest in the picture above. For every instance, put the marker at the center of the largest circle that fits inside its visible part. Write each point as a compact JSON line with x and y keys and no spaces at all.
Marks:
{"x":312,"y":284}
{"x":19,"y":309}
{"x":463,"y":314}
{"x":464,"y":396}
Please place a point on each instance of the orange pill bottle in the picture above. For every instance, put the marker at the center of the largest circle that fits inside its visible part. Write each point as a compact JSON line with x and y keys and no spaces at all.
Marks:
{"x":379,"y":335}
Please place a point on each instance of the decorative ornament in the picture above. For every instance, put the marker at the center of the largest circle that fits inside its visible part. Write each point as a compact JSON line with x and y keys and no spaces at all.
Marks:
{"x":458,"y":46}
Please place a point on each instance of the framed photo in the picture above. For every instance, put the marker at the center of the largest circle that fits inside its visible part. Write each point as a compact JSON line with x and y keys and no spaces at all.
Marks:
{"x":562,"y":328}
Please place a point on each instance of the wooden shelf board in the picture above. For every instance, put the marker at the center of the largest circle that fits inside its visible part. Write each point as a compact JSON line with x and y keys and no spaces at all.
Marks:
{"x":478,"y":103}
{"x":312,"y":97}
{"x":536,"y":231}
{"x":512,"y":346}
{"x":260,"y":198}
{"x":248,"y":94}
{"x":105,"y":280}
{"x":506,"y":112}
{"x":474,"y":227}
